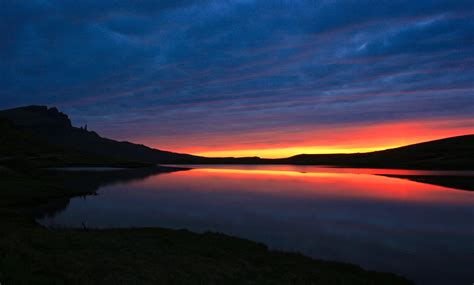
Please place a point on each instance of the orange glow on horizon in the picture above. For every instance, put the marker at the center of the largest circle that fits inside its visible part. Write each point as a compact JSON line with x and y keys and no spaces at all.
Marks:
{"x":286,"y":152}
{"x":314,"y":182}
{"x":322,"y":140}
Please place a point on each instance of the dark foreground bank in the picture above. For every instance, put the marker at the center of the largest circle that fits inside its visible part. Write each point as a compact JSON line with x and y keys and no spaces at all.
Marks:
{"x":31,"y":254}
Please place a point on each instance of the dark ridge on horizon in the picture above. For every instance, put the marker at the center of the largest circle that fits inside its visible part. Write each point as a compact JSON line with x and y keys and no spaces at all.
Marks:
{"x":50,"y":128}
{"x":419,"y":144}
{"x":54,"y":128}
{"x":447,"y":153}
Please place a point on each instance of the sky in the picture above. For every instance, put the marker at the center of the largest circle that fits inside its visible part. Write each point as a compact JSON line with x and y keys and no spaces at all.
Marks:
{"x":268,"y":78}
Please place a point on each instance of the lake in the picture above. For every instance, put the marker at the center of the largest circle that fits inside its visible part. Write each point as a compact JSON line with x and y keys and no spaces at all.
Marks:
{"x":422,"y":231}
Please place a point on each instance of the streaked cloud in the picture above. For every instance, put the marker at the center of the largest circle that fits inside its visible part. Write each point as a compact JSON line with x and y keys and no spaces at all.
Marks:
{"x":200,"y":71}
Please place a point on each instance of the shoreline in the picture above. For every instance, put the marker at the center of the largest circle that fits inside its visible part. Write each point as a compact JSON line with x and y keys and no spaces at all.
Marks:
{"x":58,"y":255}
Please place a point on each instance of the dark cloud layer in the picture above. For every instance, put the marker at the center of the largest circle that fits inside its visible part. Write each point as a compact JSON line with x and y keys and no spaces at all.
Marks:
{"x":147,"y":68}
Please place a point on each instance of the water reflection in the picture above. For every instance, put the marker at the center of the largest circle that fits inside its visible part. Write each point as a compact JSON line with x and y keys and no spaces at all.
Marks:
{"x":460,"y":182}
{"x":422,"y":231}
{"x":90,"y":180}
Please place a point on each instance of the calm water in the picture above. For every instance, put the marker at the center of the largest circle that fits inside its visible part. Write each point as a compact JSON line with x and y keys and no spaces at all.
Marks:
{"x":422,"y":231}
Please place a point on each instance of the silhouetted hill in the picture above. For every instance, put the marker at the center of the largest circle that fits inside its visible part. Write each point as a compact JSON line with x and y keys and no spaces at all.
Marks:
{"x":449,"y":153}
{"x":51,"y":127}
{"x":37,"y":116}
{"x":20,"y":149}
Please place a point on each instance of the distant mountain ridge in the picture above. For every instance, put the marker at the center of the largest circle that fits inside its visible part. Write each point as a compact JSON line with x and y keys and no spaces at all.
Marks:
{"x":50,"y":128}
{"x":37,"y":116}
{"x":448,"y":153}
{"x":55,"y":128}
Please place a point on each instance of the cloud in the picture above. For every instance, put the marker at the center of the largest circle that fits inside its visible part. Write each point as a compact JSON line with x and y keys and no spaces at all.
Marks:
{"x":177,"y":68}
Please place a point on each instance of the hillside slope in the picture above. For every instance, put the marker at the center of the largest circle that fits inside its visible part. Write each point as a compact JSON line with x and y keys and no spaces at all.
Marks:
{"x":21,"y":149}
{"x":55,"y":128}
{"x":449,"y":153}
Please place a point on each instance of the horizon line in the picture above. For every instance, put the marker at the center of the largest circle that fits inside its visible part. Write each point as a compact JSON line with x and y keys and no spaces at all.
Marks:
{"x":325,"y":152}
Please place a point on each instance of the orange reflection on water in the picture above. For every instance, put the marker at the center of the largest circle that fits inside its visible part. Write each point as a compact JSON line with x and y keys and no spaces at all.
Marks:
{"x":322,"y":183}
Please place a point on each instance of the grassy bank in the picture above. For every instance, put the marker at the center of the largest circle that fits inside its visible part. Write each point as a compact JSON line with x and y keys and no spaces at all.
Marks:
{"x":31,"y":254}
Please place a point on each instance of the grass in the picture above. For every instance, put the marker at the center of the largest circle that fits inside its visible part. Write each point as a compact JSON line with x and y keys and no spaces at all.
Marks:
{"x":31,"y":254}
